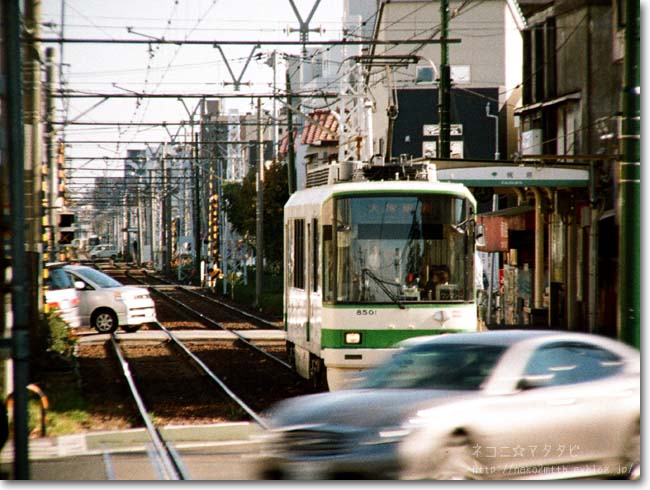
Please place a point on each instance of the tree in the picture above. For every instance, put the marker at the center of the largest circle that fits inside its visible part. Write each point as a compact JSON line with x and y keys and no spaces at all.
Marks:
{"x":239,"y":202}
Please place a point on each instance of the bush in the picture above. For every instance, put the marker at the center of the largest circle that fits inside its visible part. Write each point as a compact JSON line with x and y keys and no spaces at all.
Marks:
{"x":59,"y":338}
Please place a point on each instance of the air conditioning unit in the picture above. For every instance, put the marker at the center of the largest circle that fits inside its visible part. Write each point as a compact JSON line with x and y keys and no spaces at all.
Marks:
{"x":531,"y":142}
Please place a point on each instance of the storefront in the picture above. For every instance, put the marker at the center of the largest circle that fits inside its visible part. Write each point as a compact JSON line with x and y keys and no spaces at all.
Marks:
{"x":535,"y":252}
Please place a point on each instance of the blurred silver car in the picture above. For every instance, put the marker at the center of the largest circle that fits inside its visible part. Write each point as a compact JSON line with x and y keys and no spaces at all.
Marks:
{"x":105,"y":303}
{"x":486,"y":405}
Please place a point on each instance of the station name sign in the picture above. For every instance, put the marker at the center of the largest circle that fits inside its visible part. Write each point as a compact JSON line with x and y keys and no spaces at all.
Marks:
{"x":508,"y":176}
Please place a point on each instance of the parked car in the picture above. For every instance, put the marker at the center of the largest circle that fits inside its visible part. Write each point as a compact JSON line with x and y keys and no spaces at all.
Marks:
{"x":106,"y":303}
{"x":485,"y":405}
{"x":103,"y":252}
{"x":61,"y":294}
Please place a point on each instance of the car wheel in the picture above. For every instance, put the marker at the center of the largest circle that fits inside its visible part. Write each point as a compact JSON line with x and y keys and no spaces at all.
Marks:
{"x":131,"y":328}
{"x":104,"y":321}
{"x":113,"y":257}
{"x":456,"y":461}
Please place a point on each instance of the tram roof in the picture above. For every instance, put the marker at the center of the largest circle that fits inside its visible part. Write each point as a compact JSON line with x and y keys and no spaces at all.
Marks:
{"x":318,"y":195}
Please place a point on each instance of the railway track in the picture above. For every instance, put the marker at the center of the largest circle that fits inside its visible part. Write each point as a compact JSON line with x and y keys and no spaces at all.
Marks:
{"x":201,"y":372}
{"x":163,"y":455}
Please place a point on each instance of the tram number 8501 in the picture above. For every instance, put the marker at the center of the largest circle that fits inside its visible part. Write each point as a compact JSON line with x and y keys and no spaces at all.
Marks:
{"x":366,"y":312}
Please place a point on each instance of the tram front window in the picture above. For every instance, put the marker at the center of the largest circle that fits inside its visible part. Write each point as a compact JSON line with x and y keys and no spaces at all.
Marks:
{"x":411,"y":248}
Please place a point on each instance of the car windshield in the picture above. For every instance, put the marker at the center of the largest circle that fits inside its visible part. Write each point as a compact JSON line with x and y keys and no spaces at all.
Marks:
{"x":436,"y":366}
{"x":99,"y":278}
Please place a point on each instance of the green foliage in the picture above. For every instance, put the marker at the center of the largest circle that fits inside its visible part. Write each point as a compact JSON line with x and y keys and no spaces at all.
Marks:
{"x":240,"y":202}
{"x":68,"y":412}
{"x":271,"y":300}
{"x":59,"y":338}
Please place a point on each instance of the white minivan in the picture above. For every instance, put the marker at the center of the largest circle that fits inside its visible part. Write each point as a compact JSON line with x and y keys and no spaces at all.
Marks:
{"x":103,"y":252}
{"x":105,"y":303}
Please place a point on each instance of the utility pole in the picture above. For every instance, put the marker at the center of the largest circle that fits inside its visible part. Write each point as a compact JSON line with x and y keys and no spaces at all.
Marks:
{"x":274,"y":59}
{"x":52,"y":170}
{"x":197,"y":205}
{"x":138,"y":252}
{"x":163,"y":213}
{"x":259,"y":211}
{"x":444,"y":84}
{"x":629,"y":180}
{"x":168,"y":219}
{"x":33,"y":163}
{"x":291,"y":155}
{"x":19,"y":300}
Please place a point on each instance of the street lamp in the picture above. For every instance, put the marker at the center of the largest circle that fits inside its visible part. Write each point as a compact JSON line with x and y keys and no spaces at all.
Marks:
{"x":496,"y":137}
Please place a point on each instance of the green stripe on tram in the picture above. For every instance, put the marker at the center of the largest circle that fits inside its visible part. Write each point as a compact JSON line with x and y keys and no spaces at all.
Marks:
{"x":374,"y":339}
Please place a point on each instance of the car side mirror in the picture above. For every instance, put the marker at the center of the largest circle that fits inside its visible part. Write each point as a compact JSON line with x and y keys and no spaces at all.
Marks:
{"x":79,"y":285}
{"x":534,"y":381}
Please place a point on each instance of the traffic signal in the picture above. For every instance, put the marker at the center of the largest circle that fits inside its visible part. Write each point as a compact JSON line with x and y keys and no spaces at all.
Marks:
{"x":66,"y":228}
{"x":66,"y":237}
{"x":66,"y":220}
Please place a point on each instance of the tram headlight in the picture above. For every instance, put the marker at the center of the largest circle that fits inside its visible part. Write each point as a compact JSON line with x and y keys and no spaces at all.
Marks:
{"x":352,"y":337}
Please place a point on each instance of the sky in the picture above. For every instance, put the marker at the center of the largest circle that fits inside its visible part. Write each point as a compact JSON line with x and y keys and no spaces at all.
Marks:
{"x":155,"y":68}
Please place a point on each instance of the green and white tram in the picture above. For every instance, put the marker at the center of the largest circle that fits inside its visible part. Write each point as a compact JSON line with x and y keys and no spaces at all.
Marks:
{"x":371,"y":263}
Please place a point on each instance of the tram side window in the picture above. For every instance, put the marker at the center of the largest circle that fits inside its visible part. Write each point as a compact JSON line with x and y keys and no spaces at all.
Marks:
{"x":314,"y":256}
{"x":299,"y":253}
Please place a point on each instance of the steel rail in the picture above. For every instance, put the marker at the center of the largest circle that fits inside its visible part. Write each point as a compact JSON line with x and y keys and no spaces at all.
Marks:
{"x":259,"y":420}
{"x":230,"y":307}
{"x":172,"y":469}
{"x":212,"y":322}
{"x":216,"y":301}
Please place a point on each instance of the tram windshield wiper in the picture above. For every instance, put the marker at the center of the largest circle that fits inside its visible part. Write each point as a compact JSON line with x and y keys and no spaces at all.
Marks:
{"x":382,"y":285}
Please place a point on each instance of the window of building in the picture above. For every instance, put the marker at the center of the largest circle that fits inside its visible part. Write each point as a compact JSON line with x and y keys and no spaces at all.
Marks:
{"x":424,"y":74}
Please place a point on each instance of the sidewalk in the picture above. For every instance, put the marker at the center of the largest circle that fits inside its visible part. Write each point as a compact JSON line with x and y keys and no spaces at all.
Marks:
{"x":133,"y":440}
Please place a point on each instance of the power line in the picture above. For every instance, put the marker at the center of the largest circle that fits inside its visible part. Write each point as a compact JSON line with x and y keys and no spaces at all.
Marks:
{"x":205,"y":42}
{"x":136,"y":95}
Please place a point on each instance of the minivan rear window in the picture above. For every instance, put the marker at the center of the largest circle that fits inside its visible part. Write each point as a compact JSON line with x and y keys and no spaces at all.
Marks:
{"x":59,"y":279}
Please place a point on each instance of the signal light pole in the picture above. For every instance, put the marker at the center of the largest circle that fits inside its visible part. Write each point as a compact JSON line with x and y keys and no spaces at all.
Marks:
{"x":259,"y":211}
